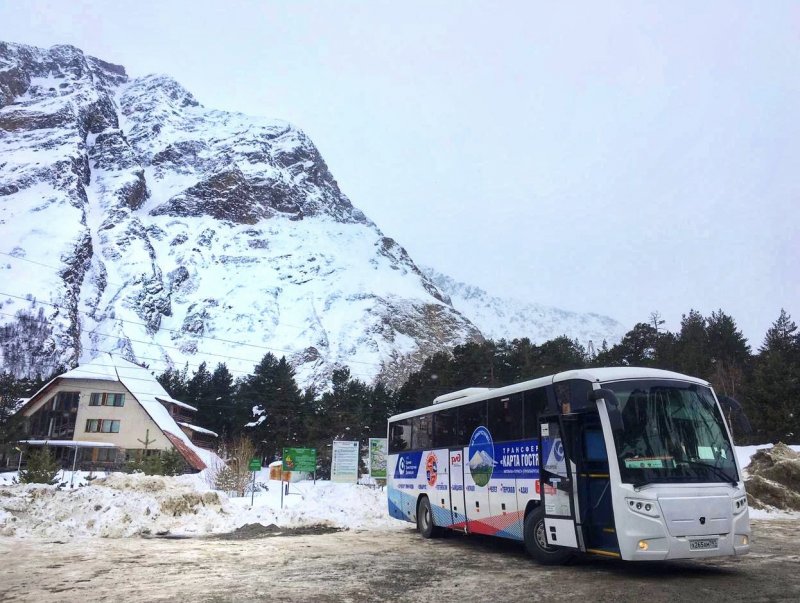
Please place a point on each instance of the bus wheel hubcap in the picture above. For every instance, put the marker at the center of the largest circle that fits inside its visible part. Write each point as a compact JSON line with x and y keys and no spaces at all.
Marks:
{"x":540,"y":537}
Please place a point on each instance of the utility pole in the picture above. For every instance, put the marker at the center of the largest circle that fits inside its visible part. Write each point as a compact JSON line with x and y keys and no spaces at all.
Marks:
{"x":146,"y":441}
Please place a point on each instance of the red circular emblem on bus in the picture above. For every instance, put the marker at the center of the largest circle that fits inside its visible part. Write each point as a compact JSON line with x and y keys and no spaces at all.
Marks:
{"x":431,"y":469}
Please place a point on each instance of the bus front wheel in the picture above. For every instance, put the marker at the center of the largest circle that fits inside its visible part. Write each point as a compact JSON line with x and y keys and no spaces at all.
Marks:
{"x":536,"y":542}
{"x":425,"y":525}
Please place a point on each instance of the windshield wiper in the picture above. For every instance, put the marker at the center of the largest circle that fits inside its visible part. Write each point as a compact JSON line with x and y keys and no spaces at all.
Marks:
{"x":718,"y":470}
{"x":650,"y":481}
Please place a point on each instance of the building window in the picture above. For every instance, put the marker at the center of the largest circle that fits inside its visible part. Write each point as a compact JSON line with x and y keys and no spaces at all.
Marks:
{"x":106,"y":455}
{"x":102,"y":426}
{"x":106,"y":399}
{"x":109,"y":426}
{"x":56,"y":417}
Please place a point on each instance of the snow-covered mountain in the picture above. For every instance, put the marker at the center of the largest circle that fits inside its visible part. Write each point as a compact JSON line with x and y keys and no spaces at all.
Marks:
{"x":508,"y":318}
{"x":135,"y":220}
{"x":481,"y":460}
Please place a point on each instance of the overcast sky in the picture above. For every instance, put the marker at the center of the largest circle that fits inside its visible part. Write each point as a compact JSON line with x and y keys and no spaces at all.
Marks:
{"x":618,"y":158}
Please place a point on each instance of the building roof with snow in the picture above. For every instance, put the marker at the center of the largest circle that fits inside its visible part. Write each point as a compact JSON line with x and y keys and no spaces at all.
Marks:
{"x":142,"y":386}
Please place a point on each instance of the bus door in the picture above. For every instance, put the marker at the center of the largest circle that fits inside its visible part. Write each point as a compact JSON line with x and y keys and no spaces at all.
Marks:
{"x":556,"y":484}
{"x":476,"y":493}
{"x":457,"y":505}
{"x":594,"y":515}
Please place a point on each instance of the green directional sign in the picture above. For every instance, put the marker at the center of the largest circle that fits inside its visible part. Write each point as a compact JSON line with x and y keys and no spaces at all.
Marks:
{"x":300,"y":459}
{"x":255,"y":465}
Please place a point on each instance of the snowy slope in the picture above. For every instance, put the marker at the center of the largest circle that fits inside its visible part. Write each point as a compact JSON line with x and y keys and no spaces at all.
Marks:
{"x":509,"y":318}
{"x":135,"y":220}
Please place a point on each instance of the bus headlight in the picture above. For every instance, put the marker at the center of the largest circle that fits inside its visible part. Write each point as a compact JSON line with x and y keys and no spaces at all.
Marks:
{"x":643,"y":507}
{"x":739,"y":505}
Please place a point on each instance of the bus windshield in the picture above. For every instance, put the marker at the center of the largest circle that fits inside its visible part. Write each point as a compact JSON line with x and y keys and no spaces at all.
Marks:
{"x":672,"y":432}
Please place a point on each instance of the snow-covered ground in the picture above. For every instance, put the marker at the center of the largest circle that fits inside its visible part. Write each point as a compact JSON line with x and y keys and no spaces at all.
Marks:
{"x":122,"y":505}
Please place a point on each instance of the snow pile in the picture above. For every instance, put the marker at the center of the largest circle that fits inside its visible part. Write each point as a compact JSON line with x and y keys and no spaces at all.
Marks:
{"x":123,"y":505}
{"x":774,"y":482}
{"x":113,"y":507}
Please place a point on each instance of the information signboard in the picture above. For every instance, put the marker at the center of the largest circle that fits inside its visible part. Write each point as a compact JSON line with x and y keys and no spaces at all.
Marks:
{"x":377,"y":457}
{"x":344,"y":464}
{"x":300,"y":459}
{"x":255,"y":465}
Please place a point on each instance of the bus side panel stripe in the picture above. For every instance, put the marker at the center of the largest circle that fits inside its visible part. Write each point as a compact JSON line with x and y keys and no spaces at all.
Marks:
{"x":399,"y":502}
{"x":442,"y":517}
{"x":505,"y":526}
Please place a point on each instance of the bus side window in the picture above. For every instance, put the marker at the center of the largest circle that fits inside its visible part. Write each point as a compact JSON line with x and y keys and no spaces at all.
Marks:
{"x":573,"y":395}
{"x":505,"y":418}
{"x":470,"y":417}
{"x":444,"y":428}
{"x":534,"y":404}
{"x":400,"y":436}
{"x":422,"y":432}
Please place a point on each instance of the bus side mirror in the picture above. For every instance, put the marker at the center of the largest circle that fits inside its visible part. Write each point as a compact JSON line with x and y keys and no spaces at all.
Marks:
{"x":612,"y":403}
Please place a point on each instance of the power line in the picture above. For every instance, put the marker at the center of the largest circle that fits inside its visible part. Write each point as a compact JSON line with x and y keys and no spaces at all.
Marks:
{"x":174,"y":364}
{"x":199,"y":336}
{"x":57,"y":270}
{"x":155,"y":395}
{"x":141,"y":324}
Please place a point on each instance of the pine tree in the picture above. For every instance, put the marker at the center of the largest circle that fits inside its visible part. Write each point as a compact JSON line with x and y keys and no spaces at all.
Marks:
{"x":729,"y":353}
{"x":175,"y":382}
{"x":637,"y":348}
{"x":774,"y":397}
{"x":219,"y":411}
{"x":197,"y":387}
{"x":560,"y":354}
{"x":41,"y":468}
{"x":273,"y":391}
{"x":12,"y":430}
{"x":692,"y":357}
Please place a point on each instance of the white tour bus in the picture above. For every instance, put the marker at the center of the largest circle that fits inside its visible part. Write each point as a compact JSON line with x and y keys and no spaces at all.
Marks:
{"x":629,"y":463}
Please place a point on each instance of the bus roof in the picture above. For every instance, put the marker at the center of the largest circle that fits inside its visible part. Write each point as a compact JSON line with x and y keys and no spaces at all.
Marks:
{"x":598,"y":375}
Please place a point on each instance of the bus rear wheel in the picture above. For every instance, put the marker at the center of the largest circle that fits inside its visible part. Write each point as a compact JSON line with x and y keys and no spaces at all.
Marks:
{"x":425,"y":525}
{"x":536,"y":541}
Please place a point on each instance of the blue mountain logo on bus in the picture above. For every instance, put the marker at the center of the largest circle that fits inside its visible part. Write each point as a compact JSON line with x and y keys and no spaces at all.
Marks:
{"x":407,"y":465}
{"x":481,"y":456}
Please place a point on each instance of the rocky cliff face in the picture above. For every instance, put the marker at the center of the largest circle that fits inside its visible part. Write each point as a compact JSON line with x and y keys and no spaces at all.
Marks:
{"x":133,"y":219}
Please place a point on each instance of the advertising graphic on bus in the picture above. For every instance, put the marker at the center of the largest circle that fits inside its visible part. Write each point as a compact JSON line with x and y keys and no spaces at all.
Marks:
{"x":618,"y":462}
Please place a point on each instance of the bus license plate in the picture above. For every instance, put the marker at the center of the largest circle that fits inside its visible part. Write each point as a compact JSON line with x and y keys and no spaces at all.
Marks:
{"x":702,"y":545}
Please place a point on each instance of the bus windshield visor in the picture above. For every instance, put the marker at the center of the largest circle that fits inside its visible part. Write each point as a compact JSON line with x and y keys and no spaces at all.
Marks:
{"x":671,"y":432}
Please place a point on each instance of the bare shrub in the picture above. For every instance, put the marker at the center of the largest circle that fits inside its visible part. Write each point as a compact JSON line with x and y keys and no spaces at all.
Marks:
{"x":233,"y":475}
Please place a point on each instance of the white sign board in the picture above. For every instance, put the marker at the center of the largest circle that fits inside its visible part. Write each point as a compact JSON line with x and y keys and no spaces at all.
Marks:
{"x":378,"y":451}
{"x":344,"y":465}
